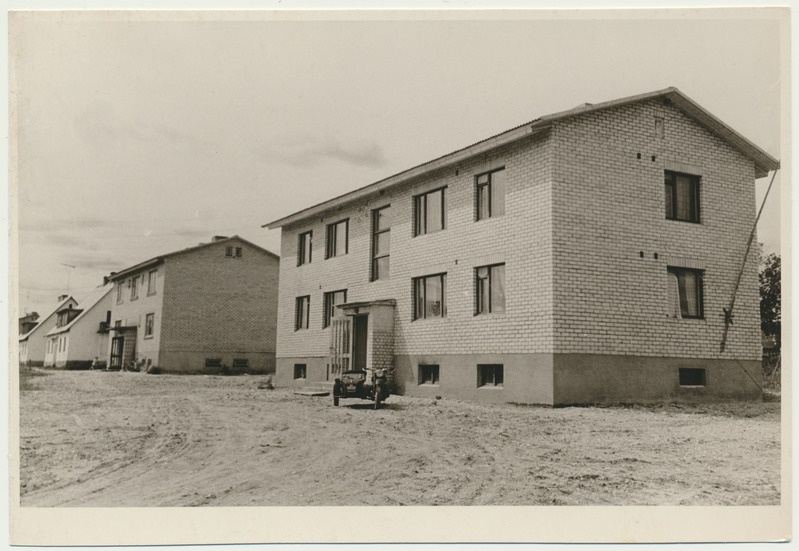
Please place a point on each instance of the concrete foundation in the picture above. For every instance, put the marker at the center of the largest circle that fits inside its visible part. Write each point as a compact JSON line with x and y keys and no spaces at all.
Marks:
{"x":599,"y":378}
{"x":559,"y":379}
{"x":194,"y":362}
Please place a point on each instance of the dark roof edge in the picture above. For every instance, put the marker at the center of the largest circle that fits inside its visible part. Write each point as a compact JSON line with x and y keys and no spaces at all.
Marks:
{"x":45,"y":318}
{"x":763,"y":161}
{"x":159,"y":259}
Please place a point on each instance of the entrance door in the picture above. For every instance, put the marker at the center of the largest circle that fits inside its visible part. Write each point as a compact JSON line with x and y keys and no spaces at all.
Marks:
{"x":116,"y":352}
{"x":360,"y":323}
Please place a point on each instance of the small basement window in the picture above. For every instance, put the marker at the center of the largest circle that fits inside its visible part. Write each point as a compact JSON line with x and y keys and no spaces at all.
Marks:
{"x":213,"y":362}
{"x":300,"y":371}
{"x":490,"y":375}
{"x":243,"y":363}
{"x":692,"y":376}
{"x":428,"y":374}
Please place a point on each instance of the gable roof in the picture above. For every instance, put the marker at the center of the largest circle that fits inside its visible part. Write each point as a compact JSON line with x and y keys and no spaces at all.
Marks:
{"x":763,"y":161}
{"x":45,"y":318}
{"x":115,"y":276}
{"x":91,"y":300}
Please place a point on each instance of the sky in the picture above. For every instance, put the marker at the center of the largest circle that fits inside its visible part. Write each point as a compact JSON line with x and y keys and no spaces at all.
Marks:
{"x":135,"y":135}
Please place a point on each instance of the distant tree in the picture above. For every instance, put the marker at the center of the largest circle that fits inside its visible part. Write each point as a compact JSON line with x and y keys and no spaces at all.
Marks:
{"x":770,"y":294}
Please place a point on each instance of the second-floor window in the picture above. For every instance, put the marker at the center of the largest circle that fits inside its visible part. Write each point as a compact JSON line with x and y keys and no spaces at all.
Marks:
{"x":337,"y":238}
{"x":429,"y":212}
{"x":149,"y":322}
{"x":490,"y":289}
{"x":429,"y":296}
{"x":682,"y":197}
{"x":685,"y":293}
{"x":302,"y":312}
{"x":381,"y":242}
{"x":331,"y":300}
{"x":134,"y":287}
{"x":151,"y":278}
{"x":491,"y":194}
{"x":119,"y":293}
{"x":304,"y":248}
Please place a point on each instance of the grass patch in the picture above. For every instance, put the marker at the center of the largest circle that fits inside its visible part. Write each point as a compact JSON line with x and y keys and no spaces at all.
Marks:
{"x":27,"y":375}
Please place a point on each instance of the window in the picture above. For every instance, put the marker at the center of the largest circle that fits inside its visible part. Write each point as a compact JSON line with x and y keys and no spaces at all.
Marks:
{"x":381,"y":242}
{"x":685,"y":293}
{"x":337,"y":237}
{"x":300,"y":371}
{"x":213,"y":362}
{"x":691,"y":376}
{"x":490,"y":375}
{"x":149,"y":321}
{"x":301,"y":315}
{"x":241,"y":363}
{"x":331,"y":300}
{"x":237,"y":251}
{"x":429,"y":296}
{"x":234,"y":252}
{"x":151,"y":278}
{"x":118,"y":323}
{"x":491,"y":194}
{"x":228,"y":251}
{"x":119,"y":293}
{"x":428,"y":374}
{"x":429,"y":212}
{"x":490,"y":289}
{"x":304,"y":248}
{"x":134,"y":288}
{"x":682,"y":197}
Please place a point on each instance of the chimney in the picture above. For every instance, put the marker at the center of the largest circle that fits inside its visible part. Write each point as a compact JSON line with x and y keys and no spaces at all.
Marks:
{"x":218,"y":238}
{"x":61,"y":298}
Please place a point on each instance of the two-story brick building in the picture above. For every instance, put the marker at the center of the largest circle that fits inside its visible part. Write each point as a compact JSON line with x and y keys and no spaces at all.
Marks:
{"x":586,"y":256}
{"x":207,"y":308}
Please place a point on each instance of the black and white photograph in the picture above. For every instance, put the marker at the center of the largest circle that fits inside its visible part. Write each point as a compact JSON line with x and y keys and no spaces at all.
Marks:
{"x":347,"y":276}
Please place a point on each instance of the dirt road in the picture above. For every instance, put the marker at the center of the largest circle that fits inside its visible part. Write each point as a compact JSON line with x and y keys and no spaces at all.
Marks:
{"x":127,"y":439}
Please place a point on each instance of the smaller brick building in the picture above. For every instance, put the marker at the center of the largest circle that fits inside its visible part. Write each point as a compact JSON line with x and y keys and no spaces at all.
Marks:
{"x":205,"y":309}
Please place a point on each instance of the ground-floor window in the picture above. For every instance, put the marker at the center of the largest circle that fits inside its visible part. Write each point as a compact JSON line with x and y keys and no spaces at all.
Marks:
{"x":241,"y":363}
{"x":692,"y":376}
{"x":429,"y":296}
{"x":300,"y":371}
{"x":149,"y":322}
{"x":213,"y":362}
{"x":490,"y":289}
{"x":331,"y":300}
{"x":490,"y":375}
{"x":685,"y":293}
{"x":428,"y":374}
{"x":301,"y":314}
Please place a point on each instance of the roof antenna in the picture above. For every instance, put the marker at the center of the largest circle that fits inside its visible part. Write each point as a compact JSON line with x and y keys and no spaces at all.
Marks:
{"x":69,"y":273}
{"x":728,"y":311}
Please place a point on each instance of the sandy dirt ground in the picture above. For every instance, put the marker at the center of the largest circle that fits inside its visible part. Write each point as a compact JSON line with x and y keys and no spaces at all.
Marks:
{"x":127,"y":439}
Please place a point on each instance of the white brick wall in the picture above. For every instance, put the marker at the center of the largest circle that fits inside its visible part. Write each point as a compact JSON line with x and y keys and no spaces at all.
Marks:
{"x":456,"y":250}
{"x":609,"y":205}
{"x":580,"y":206}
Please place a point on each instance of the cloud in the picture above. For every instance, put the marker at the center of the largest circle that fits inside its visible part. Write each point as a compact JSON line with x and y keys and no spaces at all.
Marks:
{"x":304,"y":151}
{"x":100,"y":126}
{"x":45,"y":223}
